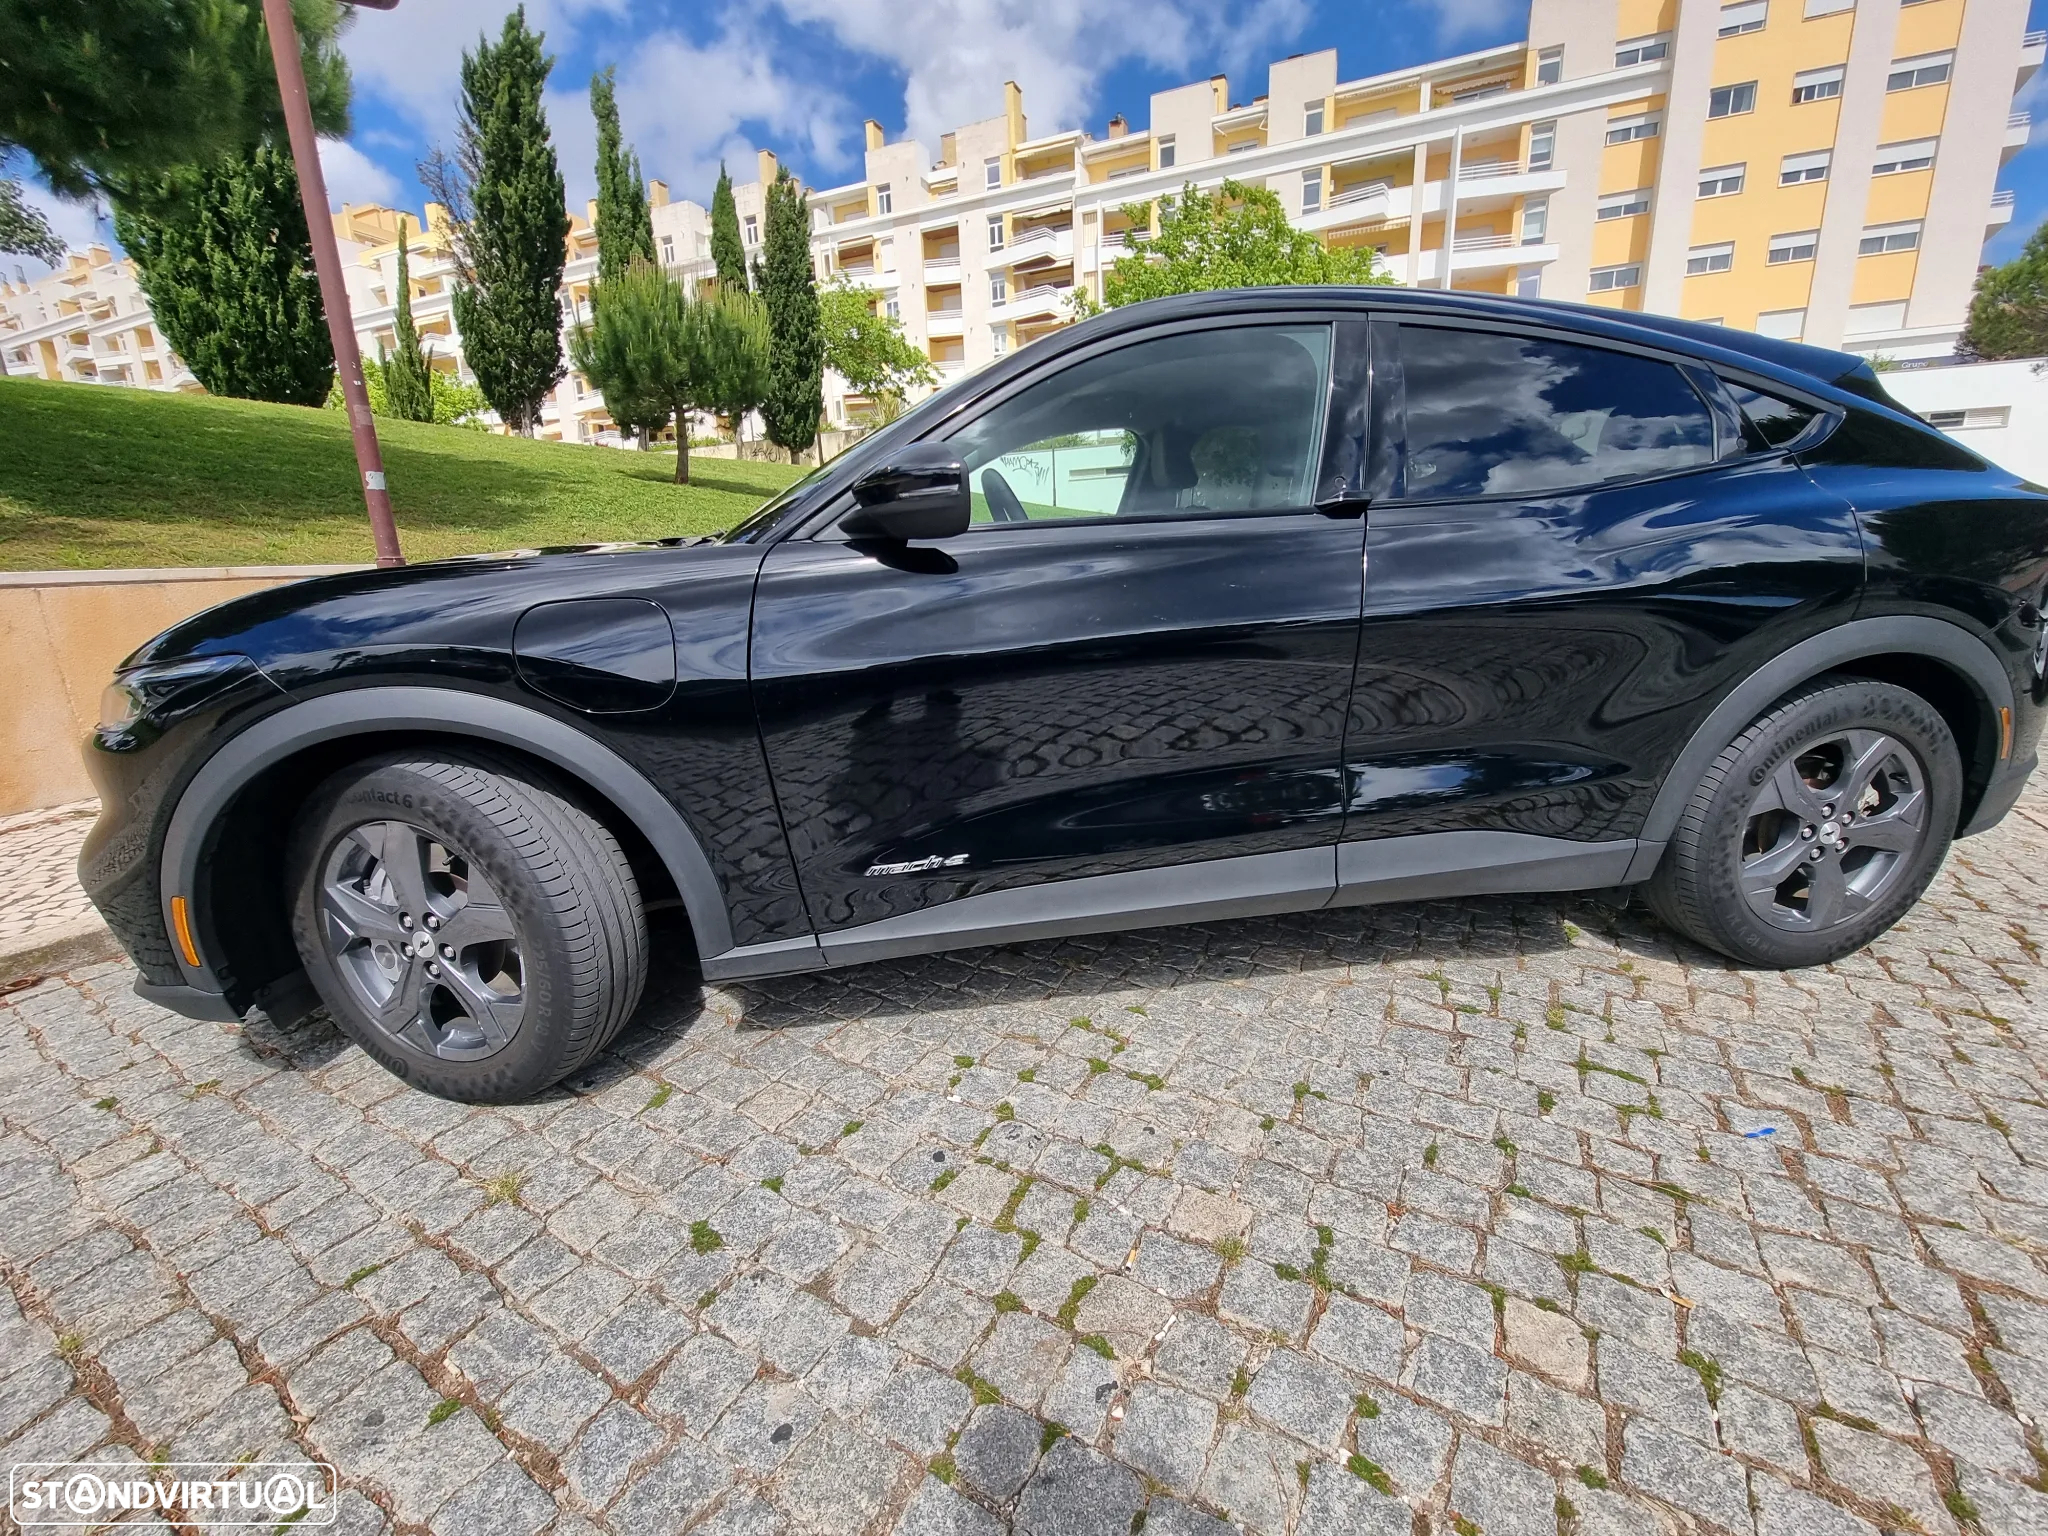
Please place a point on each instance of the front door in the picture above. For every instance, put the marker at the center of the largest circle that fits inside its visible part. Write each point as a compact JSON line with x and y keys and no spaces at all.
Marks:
{"x":1137,"y":657}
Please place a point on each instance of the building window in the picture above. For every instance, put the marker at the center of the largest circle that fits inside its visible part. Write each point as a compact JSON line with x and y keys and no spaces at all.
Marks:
{"x":1623,"y":205}
{"x":1529,"y":283}
{"x":750,"y":230}
{"x":1784,"y":325}
{"x":1816,"y":85}
{"x":1748,"y":16}
{"x":1607,"y":279}
{"x":1702,"y":259}
{"x":1312,"y":191}
{"x":1926,"y":69}
{"x":1312,"y":120}
{"x":995,"y":231}
{"x":668,"y":250}
{"x":1828,"y":7}
{"x":1542,"y":145}
{"x":1626,"y":130}
{"x":1732,"y":100}
{"x":1240,"y":146}
{"x":1914,"y":155}
{"x":1535,"y":220}
{"x":1977,"y":416}
{"x":1795,"y":247}
{"x":885,"y":200}
{"x":1722,"y":180}
{"x":1642,"y":50}
{"x":1883,"y":239}
{"x":1165,"y":151}
{"x":998,"y":288}
{"x":992,"y":171}
{"x":1795,"y":170}
{"x":893,"y":307}
{"x":999,"y":339}
{"x":1550,"y":66}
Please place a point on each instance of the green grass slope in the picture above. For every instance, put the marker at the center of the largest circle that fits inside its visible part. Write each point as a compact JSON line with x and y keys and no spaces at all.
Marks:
{"x":93,"y":477}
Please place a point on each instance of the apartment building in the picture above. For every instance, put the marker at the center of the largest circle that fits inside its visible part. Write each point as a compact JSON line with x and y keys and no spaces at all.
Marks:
{"x":1821,"y":169}
{"x":88,"y":322}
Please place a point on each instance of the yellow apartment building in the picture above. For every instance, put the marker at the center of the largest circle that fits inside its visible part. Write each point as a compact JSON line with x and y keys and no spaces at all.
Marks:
{"x":1821,"y":169}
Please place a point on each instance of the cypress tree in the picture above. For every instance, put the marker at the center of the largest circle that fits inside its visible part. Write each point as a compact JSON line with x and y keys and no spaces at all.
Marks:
{"x":796,"y":338}
{"x":408,"y":380}
{"x":728,"y":251}
{"x":625,"y":228}
{"x":513,"y":242}
{"x":223,"y":253}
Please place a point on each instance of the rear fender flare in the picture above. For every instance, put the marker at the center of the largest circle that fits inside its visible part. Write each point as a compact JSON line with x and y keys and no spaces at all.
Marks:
{"x":444,"y":712}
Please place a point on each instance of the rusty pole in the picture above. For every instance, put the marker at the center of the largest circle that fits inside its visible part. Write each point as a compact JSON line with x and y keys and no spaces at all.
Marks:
{"x":348,"y":363}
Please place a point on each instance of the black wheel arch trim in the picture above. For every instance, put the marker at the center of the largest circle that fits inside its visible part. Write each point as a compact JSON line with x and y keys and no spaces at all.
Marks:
{"x":444,"y":712}
{"x":1846,"y":643}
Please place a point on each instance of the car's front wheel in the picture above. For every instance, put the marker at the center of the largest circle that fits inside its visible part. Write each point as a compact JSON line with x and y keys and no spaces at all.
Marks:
{"x":465,"y":922}
{"x":1816,"y":829}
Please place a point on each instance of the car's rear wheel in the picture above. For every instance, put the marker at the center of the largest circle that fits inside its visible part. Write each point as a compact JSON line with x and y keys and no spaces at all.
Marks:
{"x":466,"y":922}
{"x":1816,"y":829}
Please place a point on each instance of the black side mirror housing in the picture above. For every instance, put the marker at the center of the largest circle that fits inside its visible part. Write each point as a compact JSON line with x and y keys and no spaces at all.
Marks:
{"x":918,"y":492}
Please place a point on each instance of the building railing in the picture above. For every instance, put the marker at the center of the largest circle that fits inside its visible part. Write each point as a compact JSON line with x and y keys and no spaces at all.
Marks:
{"x":947,"y":312}
{"x":2002,"y":199}
{"x":1483,"y":170}
{"x":1482,"y":242}
{"x":2037,"y":39}
{"x":1030,"y":240}
{"x":939,"y":269}
{"x":2020,"y":120}
{"x":1357,"y":194}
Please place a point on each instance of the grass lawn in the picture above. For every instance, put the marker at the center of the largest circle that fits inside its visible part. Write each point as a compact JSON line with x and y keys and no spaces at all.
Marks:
{"x":93,"y":476}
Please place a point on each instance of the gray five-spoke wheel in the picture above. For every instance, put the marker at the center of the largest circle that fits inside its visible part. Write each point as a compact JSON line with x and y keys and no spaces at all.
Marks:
{"x":1831,"y":829}
{"x":419,"y":935}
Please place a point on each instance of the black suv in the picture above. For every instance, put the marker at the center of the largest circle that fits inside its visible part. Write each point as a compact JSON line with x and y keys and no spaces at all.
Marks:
{"x":1239,"y":603}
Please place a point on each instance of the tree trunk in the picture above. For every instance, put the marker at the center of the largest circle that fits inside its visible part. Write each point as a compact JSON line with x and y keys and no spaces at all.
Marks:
{"x":682,"y":447}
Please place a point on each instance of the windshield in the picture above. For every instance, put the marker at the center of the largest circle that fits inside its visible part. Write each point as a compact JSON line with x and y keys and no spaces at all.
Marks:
{"x":903,"y":429}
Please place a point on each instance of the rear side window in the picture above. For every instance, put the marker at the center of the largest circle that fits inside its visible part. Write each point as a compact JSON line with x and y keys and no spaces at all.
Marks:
{"x":1491,"y":415}
{"x":1770,"y":421}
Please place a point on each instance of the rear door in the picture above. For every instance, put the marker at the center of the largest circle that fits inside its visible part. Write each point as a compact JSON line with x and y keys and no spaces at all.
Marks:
{"x":1573,"y":552}
{"x":1137,"y":658}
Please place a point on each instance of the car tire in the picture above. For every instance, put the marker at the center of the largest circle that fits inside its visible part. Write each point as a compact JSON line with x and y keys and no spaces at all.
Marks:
{"x":466,"y":922}
{"x":1817,"y":828}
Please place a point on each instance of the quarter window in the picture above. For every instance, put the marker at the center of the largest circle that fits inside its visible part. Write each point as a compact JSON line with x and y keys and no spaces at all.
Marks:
{"x":1773,"y":420}
{"x":1202,"y":423}
{"x":1491,"y":415}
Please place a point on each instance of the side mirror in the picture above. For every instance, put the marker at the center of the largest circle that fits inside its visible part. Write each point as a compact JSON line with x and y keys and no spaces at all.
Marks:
{"x":918,"y":492}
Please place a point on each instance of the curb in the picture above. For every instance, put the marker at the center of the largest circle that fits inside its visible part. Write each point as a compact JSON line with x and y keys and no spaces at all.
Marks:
{"x":84,"y":942}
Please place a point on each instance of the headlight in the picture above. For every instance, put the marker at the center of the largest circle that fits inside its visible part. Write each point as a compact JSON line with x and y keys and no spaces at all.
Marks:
{"x":153,"y":691}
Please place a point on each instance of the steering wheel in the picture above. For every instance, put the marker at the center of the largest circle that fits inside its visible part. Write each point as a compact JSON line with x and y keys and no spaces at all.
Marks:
{"x":1003,"y":505}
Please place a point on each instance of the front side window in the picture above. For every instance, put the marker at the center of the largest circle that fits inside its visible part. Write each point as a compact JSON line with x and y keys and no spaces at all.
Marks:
{"x":1198,"y":424}
{"x":1494,"y":415}
{"x":1732,"y":100}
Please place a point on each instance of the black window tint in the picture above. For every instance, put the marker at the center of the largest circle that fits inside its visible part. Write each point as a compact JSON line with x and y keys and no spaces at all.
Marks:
{"x":1203,"y":422}
{"x":1772,"y":420}
{"x":1494,"y":415}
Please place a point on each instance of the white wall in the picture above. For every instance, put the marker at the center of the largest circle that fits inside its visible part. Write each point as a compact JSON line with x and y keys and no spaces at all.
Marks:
{"x":2021,"y":445}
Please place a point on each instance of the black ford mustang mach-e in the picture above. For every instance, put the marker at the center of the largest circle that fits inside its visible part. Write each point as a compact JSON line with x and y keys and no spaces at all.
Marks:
{"x":1237,"y":603}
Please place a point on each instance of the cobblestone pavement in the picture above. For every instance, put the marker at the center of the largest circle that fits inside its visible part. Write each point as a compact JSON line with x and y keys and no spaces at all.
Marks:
{"x":38,"y":861}
{"x":1439,"y":1218}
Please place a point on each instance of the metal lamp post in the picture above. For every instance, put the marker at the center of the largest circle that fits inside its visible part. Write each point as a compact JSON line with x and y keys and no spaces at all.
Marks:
{"x":348,"y":362}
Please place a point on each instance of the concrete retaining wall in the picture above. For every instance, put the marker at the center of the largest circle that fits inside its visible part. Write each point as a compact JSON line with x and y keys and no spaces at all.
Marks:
{"x":62,"y":633}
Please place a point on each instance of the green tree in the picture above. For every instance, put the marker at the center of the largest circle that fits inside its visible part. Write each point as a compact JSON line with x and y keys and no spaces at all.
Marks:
{"x":1235,"y":237}
{"x":796,"y":342}
{"x":868,"y":349}
{"x":728,"y":251}
{"x":408,"y":371}
{"x":223,"y":254}
{"x":657,"y":354}
{"x":101,"y":92}
{"x":456,"y":404}
{"x":2009,"y":312}
{"x":505,"y":200}
{"x":625,"y":228}
{"x":23,"y":230}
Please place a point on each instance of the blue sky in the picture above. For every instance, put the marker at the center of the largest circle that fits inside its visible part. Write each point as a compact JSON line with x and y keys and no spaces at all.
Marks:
{"x":700,"y":81}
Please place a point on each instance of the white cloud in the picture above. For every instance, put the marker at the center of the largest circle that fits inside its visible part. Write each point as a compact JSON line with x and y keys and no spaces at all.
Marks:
{"x":955,"y":55}
{"x":76,"y":224}
{"x":1473,"y":20}
{"x":353,"y":177}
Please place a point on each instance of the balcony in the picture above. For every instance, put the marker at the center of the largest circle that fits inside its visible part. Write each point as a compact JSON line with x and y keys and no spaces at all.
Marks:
{"x":2032,"y":47}
{"x":1469,"y":254}
{"x":1044,"y":299}
{"x":1368,"y":203}
{"x":2001,"y":210}
{"x":942,"y":269}
{"x":866,"y":275}
{"x":2017,"y":129}
{"x":945,"y":322}
{"x":1045,"y":243}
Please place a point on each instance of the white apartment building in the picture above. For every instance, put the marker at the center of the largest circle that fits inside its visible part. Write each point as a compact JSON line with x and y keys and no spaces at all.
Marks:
{"x":89,"y":322}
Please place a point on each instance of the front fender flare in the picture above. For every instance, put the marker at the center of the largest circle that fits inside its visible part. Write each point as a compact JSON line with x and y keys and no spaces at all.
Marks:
{"x":445,"y":712}
{"x":1937,"y":639}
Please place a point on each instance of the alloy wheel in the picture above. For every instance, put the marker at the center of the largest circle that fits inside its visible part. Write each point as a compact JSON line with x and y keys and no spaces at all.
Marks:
{"x":417,"y":932}
{"x":1831,"y":830}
